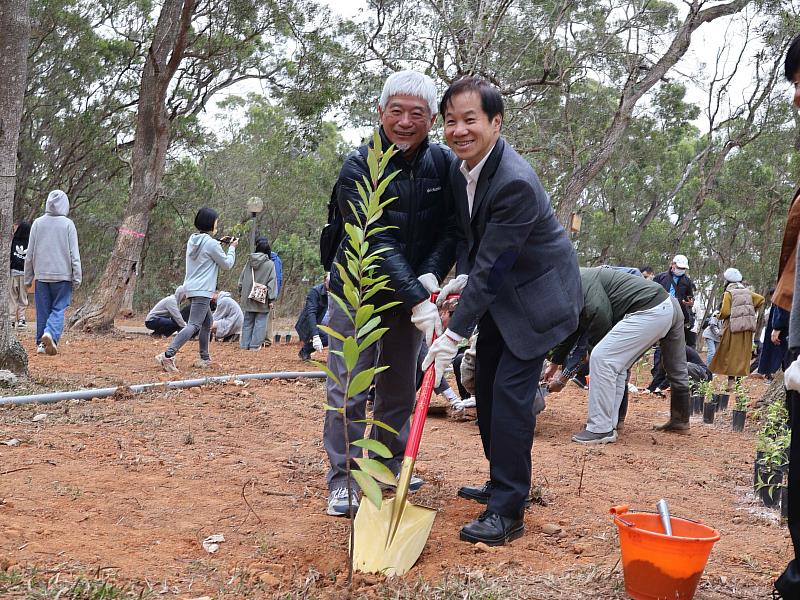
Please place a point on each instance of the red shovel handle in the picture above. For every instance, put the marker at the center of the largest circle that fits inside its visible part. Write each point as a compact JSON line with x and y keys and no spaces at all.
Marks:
{"x":423,"y":402}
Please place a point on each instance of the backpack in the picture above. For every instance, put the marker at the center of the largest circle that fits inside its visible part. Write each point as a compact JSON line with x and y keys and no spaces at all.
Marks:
{"x":333,"y":231}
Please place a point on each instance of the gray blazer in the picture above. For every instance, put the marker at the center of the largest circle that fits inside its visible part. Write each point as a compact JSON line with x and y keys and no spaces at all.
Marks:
{"x":521,"y":265}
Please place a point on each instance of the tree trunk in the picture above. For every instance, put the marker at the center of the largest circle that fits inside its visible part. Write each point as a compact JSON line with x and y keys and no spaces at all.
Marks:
{"x":15,"y":29}
{"x":148,"y":163}
{"x":633,"y":90}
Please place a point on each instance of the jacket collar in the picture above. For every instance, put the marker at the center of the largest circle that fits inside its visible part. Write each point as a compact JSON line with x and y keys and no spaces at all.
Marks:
{"x":487,"y":173}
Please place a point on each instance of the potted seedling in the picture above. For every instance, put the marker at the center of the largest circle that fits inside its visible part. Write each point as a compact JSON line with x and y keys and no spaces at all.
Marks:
{"x":784,"y":501}
{"x":697,"y":396}
{"x":770,"y":476}
{"x":722,"y":400}
{"x":709,"y":405}
{"x":740,"y":408}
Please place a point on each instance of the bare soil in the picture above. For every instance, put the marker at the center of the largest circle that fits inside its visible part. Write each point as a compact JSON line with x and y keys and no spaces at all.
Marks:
{"x":127,"y":488}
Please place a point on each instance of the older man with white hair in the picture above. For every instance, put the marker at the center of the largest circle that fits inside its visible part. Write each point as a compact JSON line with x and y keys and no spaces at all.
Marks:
{"x":418,"y":248}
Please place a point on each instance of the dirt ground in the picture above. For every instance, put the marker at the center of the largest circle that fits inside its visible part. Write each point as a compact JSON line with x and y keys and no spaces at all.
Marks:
{"x":125,"y":489}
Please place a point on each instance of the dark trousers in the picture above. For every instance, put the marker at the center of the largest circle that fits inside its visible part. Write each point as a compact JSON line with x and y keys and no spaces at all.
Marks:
{"x":789,"y":583}
{"x":505,"y":388}
{"x":462,"y":391}
{"x":165,"y":326}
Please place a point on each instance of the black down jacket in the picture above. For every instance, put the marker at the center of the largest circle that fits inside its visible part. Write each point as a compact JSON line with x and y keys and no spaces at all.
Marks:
{"x":422,"y":234}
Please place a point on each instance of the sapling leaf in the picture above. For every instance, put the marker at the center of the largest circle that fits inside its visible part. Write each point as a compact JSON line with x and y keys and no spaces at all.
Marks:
{"x":368,"y":487}
{"x":375,"y":446}
{"x":387,"y":306}
{"x":375,"y":423}
{"x":360,"y":382}
{"x":350,"y":353}
{"x":367,"y":327}
{"x":373,"y":337}
{"x":331,"y":332}
{"x":364,"y":314}
{"x":328,"y":372}
{"x":377,"y":469}
{"x":342,"y":305}
{"x":329,"y":407}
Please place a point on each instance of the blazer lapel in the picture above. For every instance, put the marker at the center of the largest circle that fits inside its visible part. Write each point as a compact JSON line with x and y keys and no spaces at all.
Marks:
{"x":489,"y":168}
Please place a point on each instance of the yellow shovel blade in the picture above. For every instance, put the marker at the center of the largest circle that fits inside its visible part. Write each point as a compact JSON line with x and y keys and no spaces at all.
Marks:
{"x":374,"y":552}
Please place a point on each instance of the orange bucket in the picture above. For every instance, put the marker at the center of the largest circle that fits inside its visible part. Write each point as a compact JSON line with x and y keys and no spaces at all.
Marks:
{"x":657,"y":566}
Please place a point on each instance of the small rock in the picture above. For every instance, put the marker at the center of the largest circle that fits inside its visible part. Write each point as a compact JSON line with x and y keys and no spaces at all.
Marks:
{"x":550,"y":528}
{"x":7,"y":379}
{"x":39,"y":417}
{"x":737,"y":519}
{"x":562,"y":534}
{"x":11,"y":442}
{"x":269,"y":579}
{"x":578,"y":548}
{"x":481,"y":547}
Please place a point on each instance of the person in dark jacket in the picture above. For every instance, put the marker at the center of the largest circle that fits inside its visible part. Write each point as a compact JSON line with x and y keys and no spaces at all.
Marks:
{"x":418,"y":247}
{"x":788,"y":584}
{"x":776,"y":346}
{"x":625,"y":315}
{"x":518,"y":277}
{"x":261,"y":269}
{"x":680,"y":286}
{"x":18,"y":295}
{"x":311,"y":317}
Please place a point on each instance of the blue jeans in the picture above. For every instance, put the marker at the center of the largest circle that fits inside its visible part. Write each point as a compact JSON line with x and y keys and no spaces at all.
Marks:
{"x":254,"y":329}
{"x":52,"y":299}
{"x":711,"y":350}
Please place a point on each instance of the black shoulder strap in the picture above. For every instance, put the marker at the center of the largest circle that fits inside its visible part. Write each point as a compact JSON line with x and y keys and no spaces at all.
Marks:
{"x":440,"y":164}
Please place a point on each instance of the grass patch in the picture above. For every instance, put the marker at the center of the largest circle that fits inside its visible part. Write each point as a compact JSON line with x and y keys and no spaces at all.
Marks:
{"x":47,"y":585}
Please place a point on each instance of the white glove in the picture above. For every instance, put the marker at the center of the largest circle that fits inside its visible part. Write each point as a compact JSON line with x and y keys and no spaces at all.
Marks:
{"x":454,"y":286}
{"x":466,"y":403}
{"x":429,"y":282}
{"x":317,"y":343}
{"x":426,"y":318}
{"x":791,"y":377}
{"x":440,"y":354}
{"x":468,"y":370}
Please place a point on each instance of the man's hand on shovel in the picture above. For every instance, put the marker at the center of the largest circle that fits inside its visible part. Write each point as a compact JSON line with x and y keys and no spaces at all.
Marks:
{"x":441,"y":353}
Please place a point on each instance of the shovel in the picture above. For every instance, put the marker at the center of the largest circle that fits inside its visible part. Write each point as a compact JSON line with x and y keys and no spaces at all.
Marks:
{"x":390,"y":540}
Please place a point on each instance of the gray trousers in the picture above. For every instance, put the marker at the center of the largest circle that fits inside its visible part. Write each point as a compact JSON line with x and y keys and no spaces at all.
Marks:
{"x":395,"y":391}
{"x":619,"y":349}
{"x":199,"y":321}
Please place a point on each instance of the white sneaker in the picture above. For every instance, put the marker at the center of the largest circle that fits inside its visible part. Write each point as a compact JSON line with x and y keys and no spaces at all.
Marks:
{"x":50,"y":346}
{"x":22,"y":324}
{"x":338,"y":505}
{"x":167,"y":363}
{"x":40,"y":349}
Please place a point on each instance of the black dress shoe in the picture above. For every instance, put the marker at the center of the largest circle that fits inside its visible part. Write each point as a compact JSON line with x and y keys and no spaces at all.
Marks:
{"x":481,"y":493}
{"x":478,"y":493}
{"x":492,"y":529}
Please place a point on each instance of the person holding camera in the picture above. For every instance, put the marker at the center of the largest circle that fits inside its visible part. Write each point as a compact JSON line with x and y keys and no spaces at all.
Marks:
{"x":204,"y":258}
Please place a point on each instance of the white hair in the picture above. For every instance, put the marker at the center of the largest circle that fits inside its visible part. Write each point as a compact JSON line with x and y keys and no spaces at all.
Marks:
{"x":410,"y":83}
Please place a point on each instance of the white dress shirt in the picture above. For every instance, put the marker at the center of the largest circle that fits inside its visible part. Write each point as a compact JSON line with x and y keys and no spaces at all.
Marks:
{"x":472,"y":178}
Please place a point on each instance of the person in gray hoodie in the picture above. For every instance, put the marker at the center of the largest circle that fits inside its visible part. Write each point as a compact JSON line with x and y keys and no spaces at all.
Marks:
{"x":256,"y":314}
{"x":54,"y":262}
{"x":165,"y":317}
{"x":204,"y":257}
{"x":228,"y":318}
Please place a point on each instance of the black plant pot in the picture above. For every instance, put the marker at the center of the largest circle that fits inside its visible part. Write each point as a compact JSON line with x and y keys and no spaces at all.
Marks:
{"x":784,"y":503}
{"x":771,"y":492}
{"x":756,"y":466}
{"x":709,"y":408}
{"x":722,"y":401}
{"x":287,"y":338}
{"x":737,"y":420}
{"x":697,"y":404}
{"x":277,"y":338}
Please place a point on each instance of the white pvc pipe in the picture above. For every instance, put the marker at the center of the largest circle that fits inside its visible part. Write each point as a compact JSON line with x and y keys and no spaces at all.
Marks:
{"x":161,"y":385}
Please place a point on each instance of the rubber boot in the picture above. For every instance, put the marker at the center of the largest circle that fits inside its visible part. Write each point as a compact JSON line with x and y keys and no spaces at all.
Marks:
{"x":679,"y":409}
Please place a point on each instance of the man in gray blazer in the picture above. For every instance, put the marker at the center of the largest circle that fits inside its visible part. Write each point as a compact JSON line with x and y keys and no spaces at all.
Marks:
{"x":519,"y":282}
